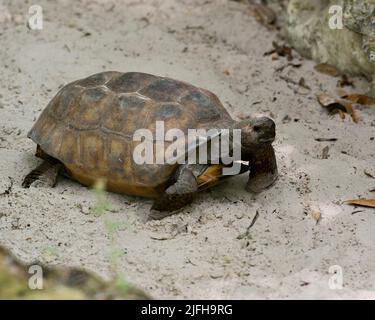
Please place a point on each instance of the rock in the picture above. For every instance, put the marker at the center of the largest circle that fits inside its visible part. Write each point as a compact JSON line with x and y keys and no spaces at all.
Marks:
{"x":359,"y":17}
{"x":349,"y":48}
{"x":18,"y":280}
{"x":217,"y":274}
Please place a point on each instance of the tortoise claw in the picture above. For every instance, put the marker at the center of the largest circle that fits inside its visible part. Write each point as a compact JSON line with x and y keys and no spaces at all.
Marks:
{"x":261,"y":182}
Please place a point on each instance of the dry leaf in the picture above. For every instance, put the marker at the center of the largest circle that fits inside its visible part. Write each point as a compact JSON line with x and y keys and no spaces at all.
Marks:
{"x":362,"y":202}
{"x":280,"y":50}
{"x":316,"y":216}
{"x":349,"y":109}
{"x":341,"y":92}
{"x":342,"y":114}
{"x":345,"y":82}
{"x":263,"y":14}
{"x":337,"y":105}
{"x":327,"y":69}
{"x":326,"y":100}
{"x":360,"y":99}
{"x":274,"y":56}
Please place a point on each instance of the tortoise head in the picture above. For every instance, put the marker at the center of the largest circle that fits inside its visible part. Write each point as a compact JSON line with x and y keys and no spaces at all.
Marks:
{"x":256,"y":131}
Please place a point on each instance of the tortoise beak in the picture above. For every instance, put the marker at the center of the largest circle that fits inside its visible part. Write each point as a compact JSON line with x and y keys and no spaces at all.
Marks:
{"x":266,"y":140}
{"x":266,"y":129}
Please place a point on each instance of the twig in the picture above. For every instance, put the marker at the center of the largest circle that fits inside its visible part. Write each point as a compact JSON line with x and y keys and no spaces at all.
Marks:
{"x":247,"y":233}
{"x":358,"y":211}
{"x":253,"y":221}
{"x":290,"y":64}
{"x":326,"y":139}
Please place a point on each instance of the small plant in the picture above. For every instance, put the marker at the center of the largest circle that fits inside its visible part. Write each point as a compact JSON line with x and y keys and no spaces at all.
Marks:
{"x":112,"y":227}
{"x":49,"y":252}
{"x":114,"y":256}
{"x":122,"y":285}
{"x":102,"y":205}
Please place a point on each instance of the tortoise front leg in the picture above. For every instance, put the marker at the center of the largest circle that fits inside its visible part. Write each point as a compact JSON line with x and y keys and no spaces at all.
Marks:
{"x":263,"y":169}
{"x":176,"y":196}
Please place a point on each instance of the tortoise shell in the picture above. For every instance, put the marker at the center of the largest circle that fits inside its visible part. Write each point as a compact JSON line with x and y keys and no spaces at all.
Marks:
{"x":89,"y":126}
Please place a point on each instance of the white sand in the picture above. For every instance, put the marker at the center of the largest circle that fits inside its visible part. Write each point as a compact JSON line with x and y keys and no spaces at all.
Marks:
{"x":287,"y":254}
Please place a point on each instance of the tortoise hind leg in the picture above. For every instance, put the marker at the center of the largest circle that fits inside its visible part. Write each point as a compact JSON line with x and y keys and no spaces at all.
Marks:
{"x":43,"y":175}
{"x":176,"y":196}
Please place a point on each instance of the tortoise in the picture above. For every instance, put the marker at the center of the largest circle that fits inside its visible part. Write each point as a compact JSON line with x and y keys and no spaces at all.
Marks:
{"x":86,"y":132}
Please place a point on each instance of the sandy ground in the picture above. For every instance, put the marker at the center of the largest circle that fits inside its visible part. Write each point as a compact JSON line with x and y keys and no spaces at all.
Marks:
{"x":197,"y":253}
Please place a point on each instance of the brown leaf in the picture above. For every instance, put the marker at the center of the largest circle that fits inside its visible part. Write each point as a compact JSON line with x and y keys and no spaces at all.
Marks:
{"x":342,"y":114}
{"x":337,"y":105}
{"x":341,"y":92}
{"x":345,"y":82}
{"x":326,"y":100}
{"x":362,"y":202}
{"x":349,"y":109}
{"x":327,"y":69}
{"x":316,"y":216}
{"x":280,"y":50}
{"x":275,"y":56}
{"x":263,"y":14}
{"x":360,"y":99}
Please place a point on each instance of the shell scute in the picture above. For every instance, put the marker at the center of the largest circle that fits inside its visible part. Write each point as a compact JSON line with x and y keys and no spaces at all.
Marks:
{"x":64,"y":101}
{"x":97,"y":79}
{"x":127,"y":114}
{"x":130,"y":82}
{"x":164,"y":90}
{"x":118,"y":156}
{"x":86,"y":113}
{"x":93,"y":151}
{"x":204,"y":107}
{"x":70,"y":147}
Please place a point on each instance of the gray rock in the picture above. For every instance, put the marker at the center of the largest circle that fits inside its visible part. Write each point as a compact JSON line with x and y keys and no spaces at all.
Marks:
{"x":351,"y":49}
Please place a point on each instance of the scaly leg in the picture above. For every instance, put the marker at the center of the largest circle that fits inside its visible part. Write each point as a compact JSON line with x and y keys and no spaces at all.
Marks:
{"x":44,"y":175}
{"x":176,"y":196}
